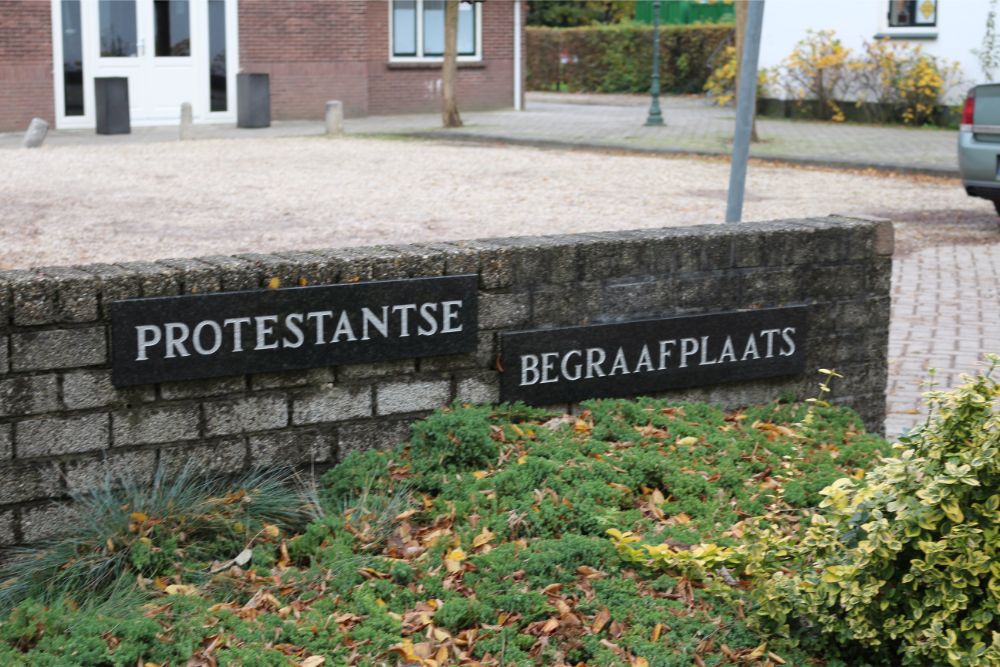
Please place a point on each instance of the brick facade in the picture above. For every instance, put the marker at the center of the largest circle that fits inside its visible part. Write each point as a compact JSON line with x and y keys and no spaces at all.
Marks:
{"x":25,"y":63}
{"x":63,"y":426}
{"x":314,"y":51}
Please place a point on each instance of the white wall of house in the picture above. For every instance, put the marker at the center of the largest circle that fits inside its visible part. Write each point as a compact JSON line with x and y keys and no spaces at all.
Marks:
{"x":961,"y":25}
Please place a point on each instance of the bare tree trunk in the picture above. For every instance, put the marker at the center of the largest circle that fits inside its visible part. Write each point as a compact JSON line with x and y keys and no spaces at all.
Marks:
{"x":449,"y":69}
{"x":741,"y":28}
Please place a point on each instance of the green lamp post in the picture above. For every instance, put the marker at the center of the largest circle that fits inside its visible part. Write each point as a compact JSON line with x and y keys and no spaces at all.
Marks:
{"x":655,"y":117}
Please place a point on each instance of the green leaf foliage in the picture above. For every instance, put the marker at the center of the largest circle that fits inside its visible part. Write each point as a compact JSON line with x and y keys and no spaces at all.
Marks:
{"x":906,"y":561}
{"x":618,"y":58}
{"x":480,"y":540}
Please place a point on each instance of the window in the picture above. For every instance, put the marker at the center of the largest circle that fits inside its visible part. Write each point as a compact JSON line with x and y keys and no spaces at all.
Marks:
{"x":417,"y":28}
{"x":173,"y":28}
{"x":217,"y":54}
{"x":912,"y":13}
{"x":118,"y":33}
{"x":72,"y":53}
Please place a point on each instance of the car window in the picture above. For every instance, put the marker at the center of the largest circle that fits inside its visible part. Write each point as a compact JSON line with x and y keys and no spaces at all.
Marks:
{"x":987,"y":105}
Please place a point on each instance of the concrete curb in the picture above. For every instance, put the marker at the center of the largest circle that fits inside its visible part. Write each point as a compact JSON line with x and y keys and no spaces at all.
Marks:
{"x":438,"y":135}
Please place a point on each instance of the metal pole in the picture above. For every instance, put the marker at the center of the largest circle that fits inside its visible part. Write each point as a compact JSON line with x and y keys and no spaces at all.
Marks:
{"x":745,"y":110}
{"x":655,"y":117}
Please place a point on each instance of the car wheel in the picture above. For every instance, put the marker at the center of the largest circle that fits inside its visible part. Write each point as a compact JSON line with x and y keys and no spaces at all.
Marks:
{"x":996,"y":205}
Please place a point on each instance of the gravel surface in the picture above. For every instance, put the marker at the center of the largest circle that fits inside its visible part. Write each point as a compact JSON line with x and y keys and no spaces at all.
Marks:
{"x":100,"y":203}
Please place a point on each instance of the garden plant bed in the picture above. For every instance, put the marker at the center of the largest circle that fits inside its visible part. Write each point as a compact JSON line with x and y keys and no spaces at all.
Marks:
{"x":484,"y":540}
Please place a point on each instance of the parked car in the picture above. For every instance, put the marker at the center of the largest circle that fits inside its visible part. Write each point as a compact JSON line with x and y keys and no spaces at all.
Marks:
{"x":979,"y":143}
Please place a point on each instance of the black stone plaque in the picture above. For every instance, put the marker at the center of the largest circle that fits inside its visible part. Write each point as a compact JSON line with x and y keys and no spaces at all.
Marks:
{"x":234,"y":333}
{"x":550,"y":366}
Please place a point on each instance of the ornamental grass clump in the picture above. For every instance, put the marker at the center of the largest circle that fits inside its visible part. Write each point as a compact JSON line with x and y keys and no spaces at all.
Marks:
{"x":127,"y":531}
{"x":904,"y":564}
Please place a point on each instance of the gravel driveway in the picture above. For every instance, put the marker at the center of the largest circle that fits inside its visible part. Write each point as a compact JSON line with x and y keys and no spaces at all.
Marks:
{"x":90,"y":203}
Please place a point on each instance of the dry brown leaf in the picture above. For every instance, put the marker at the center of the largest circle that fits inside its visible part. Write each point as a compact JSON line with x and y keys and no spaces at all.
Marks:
{"x":600,"y":620}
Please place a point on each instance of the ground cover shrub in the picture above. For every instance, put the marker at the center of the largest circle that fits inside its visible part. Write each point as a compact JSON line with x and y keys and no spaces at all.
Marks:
{"x":483,"y":540}
{"x":618,"y":58}
{"x":899,"y":565}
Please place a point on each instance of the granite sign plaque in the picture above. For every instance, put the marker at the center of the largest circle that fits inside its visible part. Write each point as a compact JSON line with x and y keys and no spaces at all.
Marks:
{"x":550,"y":366}
{"x":235,"y":333}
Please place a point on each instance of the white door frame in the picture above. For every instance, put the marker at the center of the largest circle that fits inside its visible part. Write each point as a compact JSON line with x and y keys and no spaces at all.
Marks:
{"x":200,"y":98}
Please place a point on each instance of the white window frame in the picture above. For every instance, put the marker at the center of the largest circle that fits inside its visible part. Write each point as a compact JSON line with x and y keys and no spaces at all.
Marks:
{"x":420,"y":57}
{"x":907,"y":32}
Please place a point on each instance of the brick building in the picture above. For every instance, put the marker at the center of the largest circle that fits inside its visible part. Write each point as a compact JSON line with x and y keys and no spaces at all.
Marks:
{"x":377,"y":56}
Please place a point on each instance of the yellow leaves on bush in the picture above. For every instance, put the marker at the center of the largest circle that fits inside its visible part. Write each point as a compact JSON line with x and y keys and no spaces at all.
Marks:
{"x":721,"y":83}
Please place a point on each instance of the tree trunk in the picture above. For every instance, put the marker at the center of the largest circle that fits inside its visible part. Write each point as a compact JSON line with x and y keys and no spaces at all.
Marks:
{"x":449,"y":69}
{"x":741,"y":28}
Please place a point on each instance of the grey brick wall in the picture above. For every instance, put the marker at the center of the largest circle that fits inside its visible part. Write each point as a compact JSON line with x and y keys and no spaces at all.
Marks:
{"x":64,"y":428}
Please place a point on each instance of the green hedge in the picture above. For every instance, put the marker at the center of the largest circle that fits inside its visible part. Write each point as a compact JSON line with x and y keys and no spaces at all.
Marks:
{"x":618,"y":58}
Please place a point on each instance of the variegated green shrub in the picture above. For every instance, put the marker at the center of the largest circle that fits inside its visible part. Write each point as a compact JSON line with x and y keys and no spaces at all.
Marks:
{"x":905,"y":561}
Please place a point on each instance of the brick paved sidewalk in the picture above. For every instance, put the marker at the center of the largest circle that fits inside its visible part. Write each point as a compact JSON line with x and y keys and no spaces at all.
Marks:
{"x":945,"y":316}
{"x":692,"y":126}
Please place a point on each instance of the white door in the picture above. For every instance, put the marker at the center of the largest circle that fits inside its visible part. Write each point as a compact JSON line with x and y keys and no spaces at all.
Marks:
{"x":171,"y":51}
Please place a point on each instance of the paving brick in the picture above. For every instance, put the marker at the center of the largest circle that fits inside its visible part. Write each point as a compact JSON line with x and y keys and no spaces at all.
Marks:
{"x":245,"y":415}
{"x":6,"y":303}
{"x":93,"y":389}
{"x":42,"y":522}
{"x":560,"y":307}
{"x":273,"y":270}
{"x":49,"y":436}
{"x":234,"y":273}
{"x":411,"y":396}
{"x":300,"y":447}
{"x":409,"y":261}
{"x":6,"y":442}
{"x":223,"y":457}
{"x":195,"y":277}
{"x":352,"y":372}
{"x":154,"y":279}
{"x":772,"y":287}
{"x":641,"y":297}
{"x":8,"y":519}
{"x":484,"y":356}
{"x":149,"y":425}
{"x":60,"y":348}
{"x":76,"y":294}
{"x":28,"y":395}
{"x":497,"y":311}
{"x":198,"y":388}
{"x":33,"y":301}
{"x":331,"y":404}
{"x":114,"y":284}
{"x":313,"y":269}
{"x":371,"y":434}
{"x":480,"y":388}
{"x":312,"y":376}
{"x":110,"y":469}
{"x":21,"y":483}
{"x":457,"y":260}
{"x":538,"y":260}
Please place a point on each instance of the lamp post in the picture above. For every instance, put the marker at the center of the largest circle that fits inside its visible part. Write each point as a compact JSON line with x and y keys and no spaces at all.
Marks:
{"x":655,"y":117}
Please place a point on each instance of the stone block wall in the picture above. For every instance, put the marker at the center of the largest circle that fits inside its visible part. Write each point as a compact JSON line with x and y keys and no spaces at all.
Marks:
{"x":64,"y":427}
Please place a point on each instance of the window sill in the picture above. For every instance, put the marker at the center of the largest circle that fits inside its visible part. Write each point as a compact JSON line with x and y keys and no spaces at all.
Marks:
{"x":402,"y":64}
{"x":907,"y":34}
